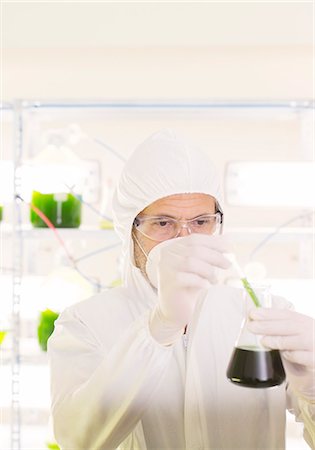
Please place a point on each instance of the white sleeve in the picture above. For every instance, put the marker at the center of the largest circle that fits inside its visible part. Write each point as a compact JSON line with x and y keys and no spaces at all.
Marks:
{"x":99,"y":396}
{"x":304,"y":411}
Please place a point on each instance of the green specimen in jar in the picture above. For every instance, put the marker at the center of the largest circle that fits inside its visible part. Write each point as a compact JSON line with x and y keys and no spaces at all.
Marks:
{"x":63,"y":210}
{"x":1,"y":212}
{"x":46,"y":326}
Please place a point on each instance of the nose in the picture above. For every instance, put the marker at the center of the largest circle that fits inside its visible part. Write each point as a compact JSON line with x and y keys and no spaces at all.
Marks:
{"x":184,"y":230}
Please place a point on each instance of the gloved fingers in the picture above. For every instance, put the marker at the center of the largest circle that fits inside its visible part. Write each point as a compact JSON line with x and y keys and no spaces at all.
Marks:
{"x":201,"y":253}
{"x":280,"y":322}
{"x":302,"y":357}
{"x":203,"y":268}
{"x":211,"y":257}
{"x":276,"y":314}
{"x":194,"y":259}
{"x":215,"y":242}
{"x":274,"y":328}
{"x":289,"y":343}
{"x":193,"y":280}
{"x":173,"y":264}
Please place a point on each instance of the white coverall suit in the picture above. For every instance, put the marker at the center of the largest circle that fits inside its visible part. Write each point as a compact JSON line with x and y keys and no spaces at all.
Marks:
{"x":114,"y":386}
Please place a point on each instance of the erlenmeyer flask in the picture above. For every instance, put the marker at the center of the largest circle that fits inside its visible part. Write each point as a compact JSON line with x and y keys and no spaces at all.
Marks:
{"x":251,"y":364}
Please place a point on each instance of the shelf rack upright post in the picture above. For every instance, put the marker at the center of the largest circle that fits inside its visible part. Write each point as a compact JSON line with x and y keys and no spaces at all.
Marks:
{"x":17,"y":261}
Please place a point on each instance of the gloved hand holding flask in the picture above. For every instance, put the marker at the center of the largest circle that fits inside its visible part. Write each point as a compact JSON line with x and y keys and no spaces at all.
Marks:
{"x":293,"y":334}
{"x":182,"y":269}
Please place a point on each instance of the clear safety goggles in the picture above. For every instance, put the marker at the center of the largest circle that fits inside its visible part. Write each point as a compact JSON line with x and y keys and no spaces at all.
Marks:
{"x":160,"y":229}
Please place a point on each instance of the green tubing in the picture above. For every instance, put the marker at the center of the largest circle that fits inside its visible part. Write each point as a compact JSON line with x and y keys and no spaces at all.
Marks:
{"x":250,"y":291}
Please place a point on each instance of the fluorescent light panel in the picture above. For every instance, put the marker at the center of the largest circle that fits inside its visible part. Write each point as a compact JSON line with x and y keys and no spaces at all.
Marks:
{"x":281,"y":184}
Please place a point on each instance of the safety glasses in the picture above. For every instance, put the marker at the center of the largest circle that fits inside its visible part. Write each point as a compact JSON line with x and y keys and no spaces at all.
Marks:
{"x":162,"y":228}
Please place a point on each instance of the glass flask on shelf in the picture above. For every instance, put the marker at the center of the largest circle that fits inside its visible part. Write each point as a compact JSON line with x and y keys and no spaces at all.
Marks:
{"x":57,"y":186}
{"x":251,"y":364}
{"x":61,"y":208}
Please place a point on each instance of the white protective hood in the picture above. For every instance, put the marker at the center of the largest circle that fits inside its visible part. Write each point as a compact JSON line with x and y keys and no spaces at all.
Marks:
{"x":163,"y":165}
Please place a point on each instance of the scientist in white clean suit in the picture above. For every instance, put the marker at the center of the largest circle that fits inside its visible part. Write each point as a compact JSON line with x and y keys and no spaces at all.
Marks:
{"x":143,"y":366}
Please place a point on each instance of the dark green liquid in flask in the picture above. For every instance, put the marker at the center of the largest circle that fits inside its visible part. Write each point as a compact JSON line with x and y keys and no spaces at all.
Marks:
{"x":255,"y":368}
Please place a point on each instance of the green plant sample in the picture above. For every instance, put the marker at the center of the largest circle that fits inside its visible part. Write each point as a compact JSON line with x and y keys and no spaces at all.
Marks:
{"x":46,"y":326}
{"x":250,"y":291}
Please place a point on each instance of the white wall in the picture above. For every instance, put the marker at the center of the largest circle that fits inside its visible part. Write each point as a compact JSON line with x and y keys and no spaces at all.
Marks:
{"x":88,"y":24}
{"x":233,"y":50}
{"x":160,"y":73}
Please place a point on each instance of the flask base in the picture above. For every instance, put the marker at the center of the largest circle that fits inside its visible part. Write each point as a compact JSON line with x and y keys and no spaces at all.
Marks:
{"x":255,"y":368}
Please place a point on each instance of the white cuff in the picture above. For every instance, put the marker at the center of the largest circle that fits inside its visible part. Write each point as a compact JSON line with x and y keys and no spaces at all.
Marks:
{"x":162,"y":330}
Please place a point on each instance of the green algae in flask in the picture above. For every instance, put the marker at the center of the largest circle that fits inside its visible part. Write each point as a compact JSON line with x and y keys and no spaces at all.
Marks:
{"x":58,"y":180}
{"x":62,"y":209}
{"x":252,"y":365}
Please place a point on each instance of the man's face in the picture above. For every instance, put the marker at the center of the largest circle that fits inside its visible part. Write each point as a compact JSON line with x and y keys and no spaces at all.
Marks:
{"x":179,"y":206}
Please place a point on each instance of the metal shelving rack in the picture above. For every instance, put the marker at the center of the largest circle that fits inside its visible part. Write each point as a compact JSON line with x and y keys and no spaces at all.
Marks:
{"x":16,"y":285}
{"x":18,"y":232}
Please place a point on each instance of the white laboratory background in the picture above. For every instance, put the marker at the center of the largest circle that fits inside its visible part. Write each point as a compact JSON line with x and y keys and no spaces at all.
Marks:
{"x":89,"y":81}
